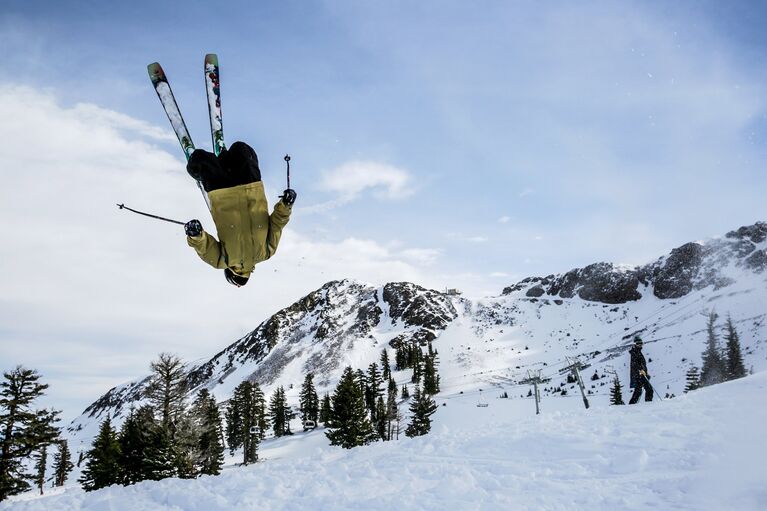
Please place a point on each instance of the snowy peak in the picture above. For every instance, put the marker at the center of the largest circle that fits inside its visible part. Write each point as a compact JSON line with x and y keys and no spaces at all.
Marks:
{"x":590,"y":312}
{"x":344,"y":322}
{"x":692,"y":266}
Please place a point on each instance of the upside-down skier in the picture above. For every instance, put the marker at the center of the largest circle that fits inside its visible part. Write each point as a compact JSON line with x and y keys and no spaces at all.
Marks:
{"x":247,"y":233}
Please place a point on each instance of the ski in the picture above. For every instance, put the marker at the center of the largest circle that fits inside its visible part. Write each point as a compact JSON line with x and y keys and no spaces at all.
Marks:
{"x":161,"y":86}
{"x":213,"y":92}
{"x":168,"y":101}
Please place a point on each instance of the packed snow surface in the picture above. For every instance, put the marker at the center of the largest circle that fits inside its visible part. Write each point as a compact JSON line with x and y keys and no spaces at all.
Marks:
{"x":700,"y":451}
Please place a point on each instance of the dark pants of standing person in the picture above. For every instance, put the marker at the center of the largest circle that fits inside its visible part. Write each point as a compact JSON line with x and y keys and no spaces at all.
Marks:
{"x":642,"y":384}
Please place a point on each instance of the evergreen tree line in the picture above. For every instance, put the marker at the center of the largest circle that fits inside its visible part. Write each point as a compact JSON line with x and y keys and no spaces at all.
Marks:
{"x":164,"y":438}
{"x":364,"y":406}
{"x":720,"y":364}
{"x":424,"y":365}
{"x":26,"y":432}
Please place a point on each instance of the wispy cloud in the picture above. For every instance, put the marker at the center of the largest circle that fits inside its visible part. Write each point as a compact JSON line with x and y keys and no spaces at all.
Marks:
{"x":504,"y":220}
{"x":351,"y":179}
{"x":457,"y":236}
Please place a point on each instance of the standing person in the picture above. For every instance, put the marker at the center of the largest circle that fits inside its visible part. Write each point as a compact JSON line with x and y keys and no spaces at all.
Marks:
{"x":247,"y":233}
{"x":638,"y":372}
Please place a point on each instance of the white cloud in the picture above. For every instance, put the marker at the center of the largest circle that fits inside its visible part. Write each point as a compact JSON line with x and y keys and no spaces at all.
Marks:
{"x":457,"y":236}
{"x":353,"y":178}
{"x":526,"y":192}
{"x":504,"y":220}
{"x":423,"y":256}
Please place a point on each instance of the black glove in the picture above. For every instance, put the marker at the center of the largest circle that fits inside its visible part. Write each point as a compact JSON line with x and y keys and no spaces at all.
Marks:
{"x":288,"y":197}
{"x":193,"y":228}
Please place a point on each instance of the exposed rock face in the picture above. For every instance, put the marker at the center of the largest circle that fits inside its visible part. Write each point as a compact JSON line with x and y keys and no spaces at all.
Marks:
{"x":689,"y":267}
{"x":674,"y":277}
{"x":316,"y":331}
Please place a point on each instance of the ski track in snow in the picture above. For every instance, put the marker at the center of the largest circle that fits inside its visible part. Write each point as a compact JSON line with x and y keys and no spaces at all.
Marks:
{"x":701,"y":451}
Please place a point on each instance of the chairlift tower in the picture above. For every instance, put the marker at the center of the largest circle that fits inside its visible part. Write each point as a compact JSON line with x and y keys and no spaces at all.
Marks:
{"x":574,"y":367}
{"x":534,"y":380}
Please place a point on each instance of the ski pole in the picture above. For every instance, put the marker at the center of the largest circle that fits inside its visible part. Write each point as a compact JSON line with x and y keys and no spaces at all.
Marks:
{"x":653,"y":388}
{"x":287,"y":162}
{"x":123,"y":206}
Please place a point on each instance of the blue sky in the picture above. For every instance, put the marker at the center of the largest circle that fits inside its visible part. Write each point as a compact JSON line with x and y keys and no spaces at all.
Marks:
{"x":449,"y":143}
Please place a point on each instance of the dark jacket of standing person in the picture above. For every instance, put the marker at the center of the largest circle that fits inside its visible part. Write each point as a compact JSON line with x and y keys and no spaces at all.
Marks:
{"x":638,"y":363}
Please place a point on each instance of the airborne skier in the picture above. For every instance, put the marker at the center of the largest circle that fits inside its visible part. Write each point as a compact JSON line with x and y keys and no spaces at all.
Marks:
{"x":247,"y":233}
{"x":231,"y":183}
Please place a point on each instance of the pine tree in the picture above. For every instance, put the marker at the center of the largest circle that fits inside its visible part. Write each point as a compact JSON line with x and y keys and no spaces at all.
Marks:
{"x":253,"y":421}
{"x":391,"y":406}
{"x":309,"y":403}
{"x":259,"y":411}
{"x":235,"y":434}
{"x":62,"y":464}
{"x":416,"y":362}
{"x":246,"y":423}
{"x":210,"y":442}
{"x":167,"y":389}
{"x":325,"y":410}
{"x":373,"y":390}
{"x":102,"y":467}
{"x":362,"y":381}
{"x":381,"y":418}
{"x":693,"y":379}
{"x":713,"y":370}
{"x":734,"y":367}
{"x":349,"y":425}
{"x":41,"y":462}
{"x":22,"y":429}
{"x":133,"y":440}
{"x":421,"y":410}
{"x":430,"y":376}
{"x":400,"y":358}
{"x":385,"y":365}
{"x":146,"y":449}
{"x":280,"y":413}
{"x":185,"y":443}
{"x":616,"y":392}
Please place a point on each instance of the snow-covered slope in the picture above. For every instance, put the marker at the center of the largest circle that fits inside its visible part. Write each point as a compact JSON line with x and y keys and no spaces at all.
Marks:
{"x":701,"y":451}
{"x":491,"y":343}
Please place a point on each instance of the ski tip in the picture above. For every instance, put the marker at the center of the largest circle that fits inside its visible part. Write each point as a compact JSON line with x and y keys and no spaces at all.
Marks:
{"x":155,"y":69}
{"x":211,"y":58}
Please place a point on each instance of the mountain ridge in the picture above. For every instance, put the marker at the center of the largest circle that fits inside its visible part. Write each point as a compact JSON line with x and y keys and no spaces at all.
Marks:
{"x":347,"y":322}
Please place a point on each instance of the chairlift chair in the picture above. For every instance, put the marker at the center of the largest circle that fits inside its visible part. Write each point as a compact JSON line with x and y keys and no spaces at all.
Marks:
{"x":481,"y":403}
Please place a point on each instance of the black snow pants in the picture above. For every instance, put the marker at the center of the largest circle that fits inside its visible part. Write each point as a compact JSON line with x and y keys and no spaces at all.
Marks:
{"x":642,"y":383}
{"x":235,"y":166}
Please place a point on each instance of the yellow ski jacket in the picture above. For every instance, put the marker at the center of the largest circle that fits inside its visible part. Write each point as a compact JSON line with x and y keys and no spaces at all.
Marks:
{"x":247,"y":233}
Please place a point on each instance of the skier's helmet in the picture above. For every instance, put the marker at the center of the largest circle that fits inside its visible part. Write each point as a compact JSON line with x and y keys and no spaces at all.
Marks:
{"x":638,"y":341}
{"x":234,"y":279}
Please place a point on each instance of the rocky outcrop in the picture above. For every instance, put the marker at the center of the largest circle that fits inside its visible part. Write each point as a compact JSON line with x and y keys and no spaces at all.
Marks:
{"x":689,"y":267}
